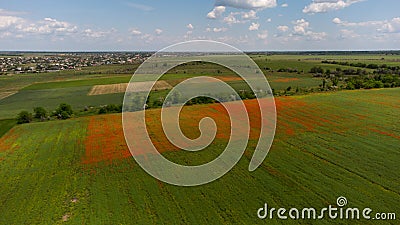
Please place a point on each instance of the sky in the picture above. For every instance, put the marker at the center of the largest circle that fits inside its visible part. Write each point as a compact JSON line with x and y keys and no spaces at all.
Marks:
{"x":150,"y":25}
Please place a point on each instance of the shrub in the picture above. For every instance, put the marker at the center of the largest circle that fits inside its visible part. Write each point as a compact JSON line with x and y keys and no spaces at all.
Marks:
{"x":64,"y":115}
{"x":40,"y":113}
{"x":24,"y":117}
{"x":316,"y":69}
{"x":64,"y":111}
{"x":110,"y":109}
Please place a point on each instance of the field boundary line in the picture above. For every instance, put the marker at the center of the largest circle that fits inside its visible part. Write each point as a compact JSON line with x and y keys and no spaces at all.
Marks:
{"x":7,"y":94}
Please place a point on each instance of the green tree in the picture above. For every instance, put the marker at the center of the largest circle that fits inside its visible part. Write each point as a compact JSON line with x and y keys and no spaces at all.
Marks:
{"x":316,"y":69}
{"x":40,"y":113}
{"x":64,"y":115}
{"x":64,"y":111}
{"x":24,"y":117}
{"x":335,"y":81}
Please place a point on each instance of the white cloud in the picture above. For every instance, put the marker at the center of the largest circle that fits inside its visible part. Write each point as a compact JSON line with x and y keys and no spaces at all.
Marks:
{"x":269,"y":20}
{"x":240,"y":17}
{"x":322,"y":6}
{"x":190,"y":26}
{"x":9,"y":21}
{"x":316,"y":36}
{"x":94,"y":34}
{"x":358,"y":24}
{"x":386,"y":26}
{"x":348,"y":34}
{"x":48,"y":26}
{"x":136,"y":32}
{"x":48,"y":29}
{"x":58,"y":26}
{"x":283,"y":28}
{"x":231,"y":19}
{"x":392,"y":26}
{"x":158,"y":31}
{"x":263,"y":35}
{"x":337,"y":21}
{"x":148,"y":38}
{"x":284,"y":5}
{"x":216,"y":12}
{"x":247,"y":4}
{"x":216,"y":29}
{"x":251,"y":15}
{"x":254,"y":26}
{"x":302,"y":28}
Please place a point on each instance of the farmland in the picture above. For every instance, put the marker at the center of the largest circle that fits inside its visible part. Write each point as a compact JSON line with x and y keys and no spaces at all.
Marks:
{"x":57,"y":172}
{"x":329,"y":143}
{"x":50,"y":89}
{"x":38,"y":90}
{"x":72,"y":87}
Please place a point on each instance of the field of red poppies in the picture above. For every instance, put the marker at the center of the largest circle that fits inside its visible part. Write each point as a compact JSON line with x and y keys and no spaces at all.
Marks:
{"x":327,"y":145}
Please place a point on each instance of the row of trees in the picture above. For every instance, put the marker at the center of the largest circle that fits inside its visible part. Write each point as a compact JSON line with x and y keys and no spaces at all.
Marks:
{"x":320,"y":72}
{"x":378,"y":69}
{"x":139,"y":103}
{"x":63,"y":112}
{"x":361,"y":65}
{"x":369,"y":82}
{"x":110,"y":109}
{"x":356,"y":78}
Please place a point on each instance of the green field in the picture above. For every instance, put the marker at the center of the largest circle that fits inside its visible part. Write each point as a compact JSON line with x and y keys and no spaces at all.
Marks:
{"x":51,"y":98}
{"x":351,"y":149}
{"x":49,"y":90}
{"x":6,"y":125}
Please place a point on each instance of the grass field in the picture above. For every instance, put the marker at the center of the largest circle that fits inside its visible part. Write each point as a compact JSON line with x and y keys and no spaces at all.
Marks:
{"x":51,"y":98}
{"x":51,"y":89}
{"x":6,"y":125}
{"x":75,"y":92}
{"x":327,"y":145}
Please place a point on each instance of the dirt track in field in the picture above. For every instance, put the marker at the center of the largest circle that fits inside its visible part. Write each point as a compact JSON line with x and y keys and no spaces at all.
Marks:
{"x":121,"y":88}
{"x":4,"y":95}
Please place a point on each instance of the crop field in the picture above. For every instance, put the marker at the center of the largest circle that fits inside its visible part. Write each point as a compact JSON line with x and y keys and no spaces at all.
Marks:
{"x":51,"y":98}
{"x":6,"y":94}
{"x":6,"y":125}
{"x":327,"y":145}
{"x":108,"y":89}
{"x":80,"y":171}
{"x":306,"y":62}
{"x":25,"y":91}
{"x":85,"y":92}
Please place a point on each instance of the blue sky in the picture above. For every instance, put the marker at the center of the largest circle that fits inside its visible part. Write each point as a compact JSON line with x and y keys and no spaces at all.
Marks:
{"x":263,"y":25}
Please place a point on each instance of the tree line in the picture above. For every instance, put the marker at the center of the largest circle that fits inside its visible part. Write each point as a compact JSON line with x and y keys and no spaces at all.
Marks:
{"x":379,"y":69}
{"x":383,"y":77}
{"x":63,"y":112}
